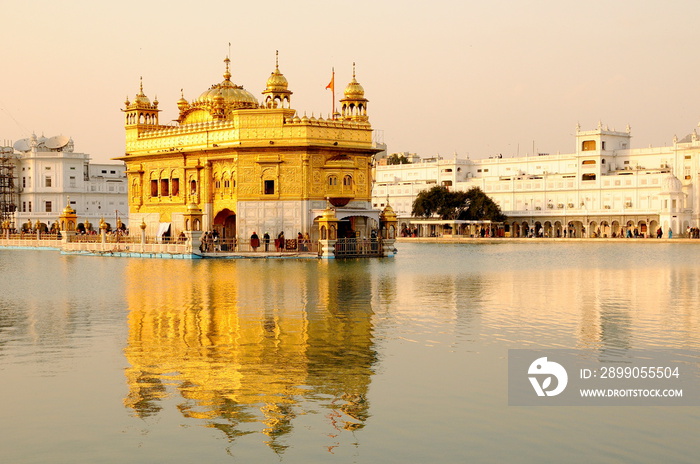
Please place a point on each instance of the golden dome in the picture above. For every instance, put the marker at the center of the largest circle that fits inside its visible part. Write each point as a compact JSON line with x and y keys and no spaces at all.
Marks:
{"x":68,"y":210}
{"x":141,"y":97}
{"x":388,"y":213}
{"x":354,"y":90}
{"x":233,"y":96}
{"x":277,"y":81}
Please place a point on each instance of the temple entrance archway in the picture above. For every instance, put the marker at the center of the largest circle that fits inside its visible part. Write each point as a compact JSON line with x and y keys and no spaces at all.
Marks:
{"x":225,"y":223}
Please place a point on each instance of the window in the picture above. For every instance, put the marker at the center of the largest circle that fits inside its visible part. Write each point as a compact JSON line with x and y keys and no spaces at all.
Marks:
{"x":588,"y":162}
{"x":602,"y":144}
{"x":347,"y":181}
{"x":30,"y":206}
{"x":24,"y":206}
{"x":588,"y":177}
{"x":154,"y":188}
{"x":48,"y":206}
{"x":104,"y":171}
{"x":47,"y":182}
{"x":112,"y":172}
{"x":24,"y":182}
{"x":269,"y":187}
{"x":588,"y":145}
{"x":164,"y":187}
{"x":72,"y":181}
{"x":175,"y":187}
{"x":193,"y":187}
{"x":332,"y":180}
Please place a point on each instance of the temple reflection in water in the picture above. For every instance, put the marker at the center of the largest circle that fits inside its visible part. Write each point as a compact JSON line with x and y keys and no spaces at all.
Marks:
{"x":248,"y":345}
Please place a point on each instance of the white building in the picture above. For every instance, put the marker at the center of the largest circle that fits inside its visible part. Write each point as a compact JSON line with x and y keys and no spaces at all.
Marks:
{"x":49,"y":174}
{"x":604,"y":188}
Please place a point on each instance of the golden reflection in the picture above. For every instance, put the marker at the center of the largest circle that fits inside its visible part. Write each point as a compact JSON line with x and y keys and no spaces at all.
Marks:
{"x":249,"y":345}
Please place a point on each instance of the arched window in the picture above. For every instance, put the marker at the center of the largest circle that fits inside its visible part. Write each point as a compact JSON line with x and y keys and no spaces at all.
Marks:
{"x":588,"y":162}
{"x":332,"y":180}
{"x":588,"y":145}
{"x":347,"y":181}
{"x":164,"y":187}
{"x":193,"y":187}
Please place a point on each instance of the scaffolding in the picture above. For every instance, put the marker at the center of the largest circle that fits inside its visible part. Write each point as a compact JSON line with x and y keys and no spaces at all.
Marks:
{"x":8,"y":186}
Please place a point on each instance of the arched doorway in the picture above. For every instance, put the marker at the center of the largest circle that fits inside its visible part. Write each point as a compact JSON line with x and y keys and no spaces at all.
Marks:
{"x":225,"y":224}
{"x":616,"y":230}
{"x":557,"y":229}
{"x":548,"y":232}
{"x":525,"y":230}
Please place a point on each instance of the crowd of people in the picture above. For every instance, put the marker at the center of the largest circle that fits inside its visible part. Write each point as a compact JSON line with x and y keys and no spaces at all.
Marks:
{"x":212,"y":242}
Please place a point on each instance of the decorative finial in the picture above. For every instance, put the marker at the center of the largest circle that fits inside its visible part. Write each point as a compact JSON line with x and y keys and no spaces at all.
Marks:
{"x":353,"y":70}
{"x":277,"y":62}
{"x":141,"y":85}
{"x":227,"y":74}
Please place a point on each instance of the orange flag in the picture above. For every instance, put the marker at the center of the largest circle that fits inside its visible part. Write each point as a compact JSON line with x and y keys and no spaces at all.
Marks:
{"x":331,"y":84}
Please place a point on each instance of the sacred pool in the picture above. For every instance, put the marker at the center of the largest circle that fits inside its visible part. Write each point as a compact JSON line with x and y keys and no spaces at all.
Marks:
{"x":394,"y":360}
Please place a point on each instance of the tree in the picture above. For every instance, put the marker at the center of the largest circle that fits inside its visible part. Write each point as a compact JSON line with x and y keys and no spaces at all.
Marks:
{"x":397,"y":159}
{"x":441,"y":202}
{"x":471,"y":205}
{"x":481,"y":207}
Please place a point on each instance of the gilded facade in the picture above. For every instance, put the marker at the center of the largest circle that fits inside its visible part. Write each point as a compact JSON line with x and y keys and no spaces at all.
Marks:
{"x":249,"y":166}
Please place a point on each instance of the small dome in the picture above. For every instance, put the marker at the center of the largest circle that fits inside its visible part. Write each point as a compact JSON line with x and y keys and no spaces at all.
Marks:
{"x":68,"y":210}
{"x":354,"y":90}
{"x":671,"y":184}
{"x":182,"y":103}
{"x":277,"y":81}
{"x":141,"y":98}
{"x":388,"y":213}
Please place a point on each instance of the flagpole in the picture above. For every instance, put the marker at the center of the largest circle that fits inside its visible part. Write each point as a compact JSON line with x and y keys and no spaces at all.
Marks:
{"x":333,"y":93}
{"x":331,"y":85}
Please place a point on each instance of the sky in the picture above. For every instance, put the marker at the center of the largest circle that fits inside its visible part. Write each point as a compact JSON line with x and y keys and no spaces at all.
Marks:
{"x":472,"y":78}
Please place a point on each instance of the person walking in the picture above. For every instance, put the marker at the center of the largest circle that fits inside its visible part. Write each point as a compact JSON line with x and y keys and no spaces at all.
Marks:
{"x":254,"y":241}
{"x":266,"y":241}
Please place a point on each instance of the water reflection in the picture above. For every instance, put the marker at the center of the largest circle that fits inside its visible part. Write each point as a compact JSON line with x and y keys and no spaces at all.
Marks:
{"x":248,"y":346}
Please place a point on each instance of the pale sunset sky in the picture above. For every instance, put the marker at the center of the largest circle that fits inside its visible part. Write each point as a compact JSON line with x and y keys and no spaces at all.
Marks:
{"x":476,"y":78}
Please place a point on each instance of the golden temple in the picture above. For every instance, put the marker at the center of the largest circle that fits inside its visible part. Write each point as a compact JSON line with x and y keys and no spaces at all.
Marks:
{"x":247,"y":166}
